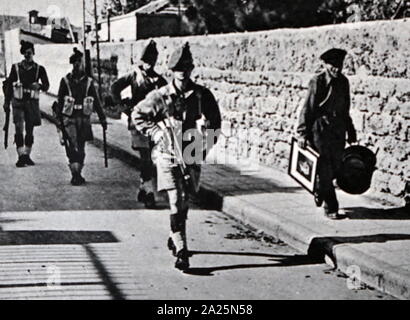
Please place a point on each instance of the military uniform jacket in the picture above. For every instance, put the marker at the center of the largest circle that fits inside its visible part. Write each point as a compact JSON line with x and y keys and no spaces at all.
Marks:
{"x":141,"y":83}
{"x":325,"y":118}
{"x":183,"y":108}
{"x":27,"y":76}
{"x":78,"y":86}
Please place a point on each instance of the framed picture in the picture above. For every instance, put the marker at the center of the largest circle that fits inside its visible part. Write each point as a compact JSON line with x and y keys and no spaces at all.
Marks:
{"x":303,"y":165}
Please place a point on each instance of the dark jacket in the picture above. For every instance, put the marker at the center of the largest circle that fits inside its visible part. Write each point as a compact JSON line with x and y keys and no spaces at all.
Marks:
{"x":141,"y":83}
{"x":325,"y":116}
{"x":27,"y":75}
{"x":78,"y":88}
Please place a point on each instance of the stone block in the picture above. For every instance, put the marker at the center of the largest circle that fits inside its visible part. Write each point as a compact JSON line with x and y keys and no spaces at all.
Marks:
{"x":405,"y":110}
{"x":376,"y":124}
{"x":392,"y":105}
{"x":396,"y":185}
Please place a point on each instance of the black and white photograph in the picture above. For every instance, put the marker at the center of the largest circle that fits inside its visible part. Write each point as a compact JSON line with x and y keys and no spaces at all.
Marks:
{"x":205,"y":157}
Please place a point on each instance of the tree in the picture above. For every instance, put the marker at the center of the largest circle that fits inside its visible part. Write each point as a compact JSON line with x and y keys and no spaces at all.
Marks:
{"x":119,"y":7}
{"x":220,"y":16}
{"x":367,"y":10}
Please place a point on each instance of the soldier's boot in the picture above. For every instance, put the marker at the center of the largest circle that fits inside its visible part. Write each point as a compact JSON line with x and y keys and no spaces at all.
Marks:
{"x":170,"y":244}
{"x":21,"y":162}
{"x":29,"y":140}
{"x":18,"y":139}
{"x":182,"y":262}
{"x":177,"y":237}
{"x":149,"y":199}
{"x":27,"y":158}
{"x":75,"y":172}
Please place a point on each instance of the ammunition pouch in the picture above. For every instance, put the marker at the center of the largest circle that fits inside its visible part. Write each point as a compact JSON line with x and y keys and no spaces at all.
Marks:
{"x":88,"y":106}
{"x":34,"y":94}
{"x":68,"y":106}
{"x":18,"y":90}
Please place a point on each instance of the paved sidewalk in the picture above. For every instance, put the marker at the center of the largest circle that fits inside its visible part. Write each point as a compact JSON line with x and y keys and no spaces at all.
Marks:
{"x":373,"y":237}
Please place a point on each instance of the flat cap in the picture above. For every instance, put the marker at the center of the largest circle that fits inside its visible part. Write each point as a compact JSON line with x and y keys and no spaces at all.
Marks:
{"x":181,"y":58}
{"x":150,"y":52}
{"x":334,"y":56}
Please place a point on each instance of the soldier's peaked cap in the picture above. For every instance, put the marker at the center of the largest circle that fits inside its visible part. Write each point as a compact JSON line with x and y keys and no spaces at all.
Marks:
{"x":182,"y":56}
{"x":334,"y":55}
{"x":149,"y":52}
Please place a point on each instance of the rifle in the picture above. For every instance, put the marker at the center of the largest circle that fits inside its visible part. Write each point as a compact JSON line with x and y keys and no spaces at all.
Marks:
{"x":6,"y":129}
{"x":187,"y":180}
{"x":66,"y":139}
{"x":7,"y":121}
{"x":105,"y":148}
{"x":108,"y":102}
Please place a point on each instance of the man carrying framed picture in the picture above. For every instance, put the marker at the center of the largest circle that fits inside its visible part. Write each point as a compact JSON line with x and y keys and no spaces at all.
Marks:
{"x":323,"y":124}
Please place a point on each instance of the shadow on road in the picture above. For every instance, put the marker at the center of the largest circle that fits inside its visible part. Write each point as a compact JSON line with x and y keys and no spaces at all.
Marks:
{"x":358,"y":213}
{"x":83,"y":238}
{"x":104,"y":274}
{"x":280,"y":261}
{"x":12,"y":238}
{"x":321,"y":246}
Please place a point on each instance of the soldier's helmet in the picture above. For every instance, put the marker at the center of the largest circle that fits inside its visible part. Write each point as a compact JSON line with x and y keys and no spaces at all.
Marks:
{"x":358,"y":165}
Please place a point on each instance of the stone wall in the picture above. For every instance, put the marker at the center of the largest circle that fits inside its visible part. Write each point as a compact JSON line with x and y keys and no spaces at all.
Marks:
{"x":260,"y":80}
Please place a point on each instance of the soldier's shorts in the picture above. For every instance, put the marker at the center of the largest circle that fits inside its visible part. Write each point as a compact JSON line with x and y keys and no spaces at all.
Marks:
{"x":169,"y":175}
{"x":27,"y":111}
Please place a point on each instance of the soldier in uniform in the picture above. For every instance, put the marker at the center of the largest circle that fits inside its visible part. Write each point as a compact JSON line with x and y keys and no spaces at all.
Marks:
{"x":25,"y":81}
{"x":323,"y":124}
{"x":142,"y":80}
{"x":77,"y":98}
{"x":166,"y":114}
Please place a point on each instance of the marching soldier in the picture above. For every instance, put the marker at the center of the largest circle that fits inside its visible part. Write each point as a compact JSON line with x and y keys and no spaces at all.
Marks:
{"x":166,"y":114}
{"x":142,"y":80}
{"x":24,"y":83}
{"x":77,"y":98}
{"x":323,"y":123}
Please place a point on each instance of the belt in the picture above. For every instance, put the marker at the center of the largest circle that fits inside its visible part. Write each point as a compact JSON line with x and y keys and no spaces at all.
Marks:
{"x":78,"y":107}
{"x":27,"y":90}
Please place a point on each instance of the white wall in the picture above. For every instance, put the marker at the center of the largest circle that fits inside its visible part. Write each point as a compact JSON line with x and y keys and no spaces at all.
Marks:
{"x":57,"y":56}
{"x":121,"y":28}
{"x":12,"y":48}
